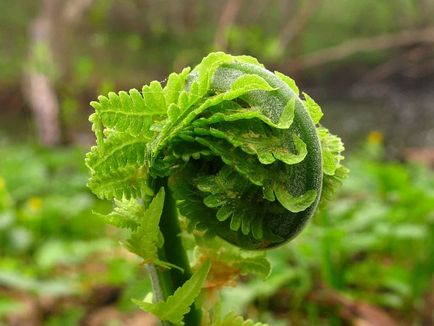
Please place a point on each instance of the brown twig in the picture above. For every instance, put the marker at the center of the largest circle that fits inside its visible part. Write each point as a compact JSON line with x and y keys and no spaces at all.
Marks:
{"x":296,"y":25}
{"x":365,"y":44}
{"x":395,"y":64}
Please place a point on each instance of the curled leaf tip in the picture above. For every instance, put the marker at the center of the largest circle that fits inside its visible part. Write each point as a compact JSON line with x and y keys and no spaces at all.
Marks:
{"x":245,"y":156}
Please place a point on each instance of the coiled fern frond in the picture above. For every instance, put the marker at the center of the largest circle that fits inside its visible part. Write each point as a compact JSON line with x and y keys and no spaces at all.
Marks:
{"x":243,"y":152}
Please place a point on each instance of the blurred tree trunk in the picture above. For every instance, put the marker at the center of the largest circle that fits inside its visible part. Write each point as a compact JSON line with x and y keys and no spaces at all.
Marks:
{"x":39,"y":75}
{"x":189,"y":14}
{"x":227,"y":18}
{"x":47,"y":36}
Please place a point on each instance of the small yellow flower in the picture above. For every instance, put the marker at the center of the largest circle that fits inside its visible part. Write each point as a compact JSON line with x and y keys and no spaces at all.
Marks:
{"x":375,"y":137}
{"x":34,"y":203}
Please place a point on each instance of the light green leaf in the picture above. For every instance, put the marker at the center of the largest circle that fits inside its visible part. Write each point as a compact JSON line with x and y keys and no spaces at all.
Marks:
{"x":331,"y":183}
{"x":146,"y":238}
{"x":288,"y":81}
{"x":248,"y":59}
{"x":175,"y":85}
{"x":332,"y":147}
{"x":178,"y":304}
{"x":287,"y":116}
{"x":117,"y":167}
{"x":126,"y":214}
{"x":256,"y":138}
{"x":232,"y":111}
{"x":124,"y":112}
{"x":313,"y":108}
{"x":185,"y":117}
{"x":292,"y":203}
{"x":251,"y":82}
{"x":207,"y":68}
{"x":154,"y":97}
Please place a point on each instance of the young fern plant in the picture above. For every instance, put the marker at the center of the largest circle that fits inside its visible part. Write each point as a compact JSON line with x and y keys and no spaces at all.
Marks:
{"x":229,"y":147}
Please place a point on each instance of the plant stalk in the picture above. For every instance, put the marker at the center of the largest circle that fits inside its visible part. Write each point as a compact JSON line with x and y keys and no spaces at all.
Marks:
{"x":166,"y":281}
{"x":157,"y":287}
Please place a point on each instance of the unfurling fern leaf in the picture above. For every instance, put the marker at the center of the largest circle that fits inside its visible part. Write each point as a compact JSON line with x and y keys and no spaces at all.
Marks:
{"x":241,"y":153}
{"x":178,"y":304}
{"x":244,"y":155}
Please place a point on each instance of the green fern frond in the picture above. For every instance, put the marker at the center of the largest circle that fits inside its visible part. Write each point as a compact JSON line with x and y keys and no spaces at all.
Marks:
{"x":228,"y":113}
{"x":117,"y":167}
{"x":313,"y":108}
{"x":179,"y":304}
{"x":125,"y":215}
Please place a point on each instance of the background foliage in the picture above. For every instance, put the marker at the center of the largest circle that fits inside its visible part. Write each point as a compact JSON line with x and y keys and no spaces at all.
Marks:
{"x":365,"y":257}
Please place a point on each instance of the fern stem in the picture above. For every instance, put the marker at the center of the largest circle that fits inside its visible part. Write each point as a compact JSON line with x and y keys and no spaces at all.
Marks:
{"x":173,"y":252}
{"x":155,"y":282}
{"x":157,"y":287}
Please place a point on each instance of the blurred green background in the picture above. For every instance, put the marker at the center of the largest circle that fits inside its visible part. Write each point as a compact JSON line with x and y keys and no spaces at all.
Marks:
{"x":366,"y":259}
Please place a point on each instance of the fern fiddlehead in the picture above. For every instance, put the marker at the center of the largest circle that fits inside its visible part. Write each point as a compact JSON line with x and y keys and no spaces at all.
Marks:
{"x":241,"y":151}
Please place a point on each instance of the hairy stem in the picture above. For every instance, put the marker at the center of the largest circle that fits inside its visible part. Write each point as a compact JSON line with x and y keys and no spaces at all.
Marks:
{"x":173,"y":252}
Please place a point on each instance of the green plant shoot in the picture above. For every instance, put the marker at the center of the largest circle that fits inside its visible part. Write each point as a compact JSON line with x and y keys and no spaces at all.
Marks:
{"x":230,"y":147}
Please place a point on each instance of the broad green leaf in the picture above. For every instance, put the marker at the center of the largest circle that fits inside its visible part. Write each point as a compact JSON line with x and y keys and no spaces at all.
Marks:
{"x":178,"y":305}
